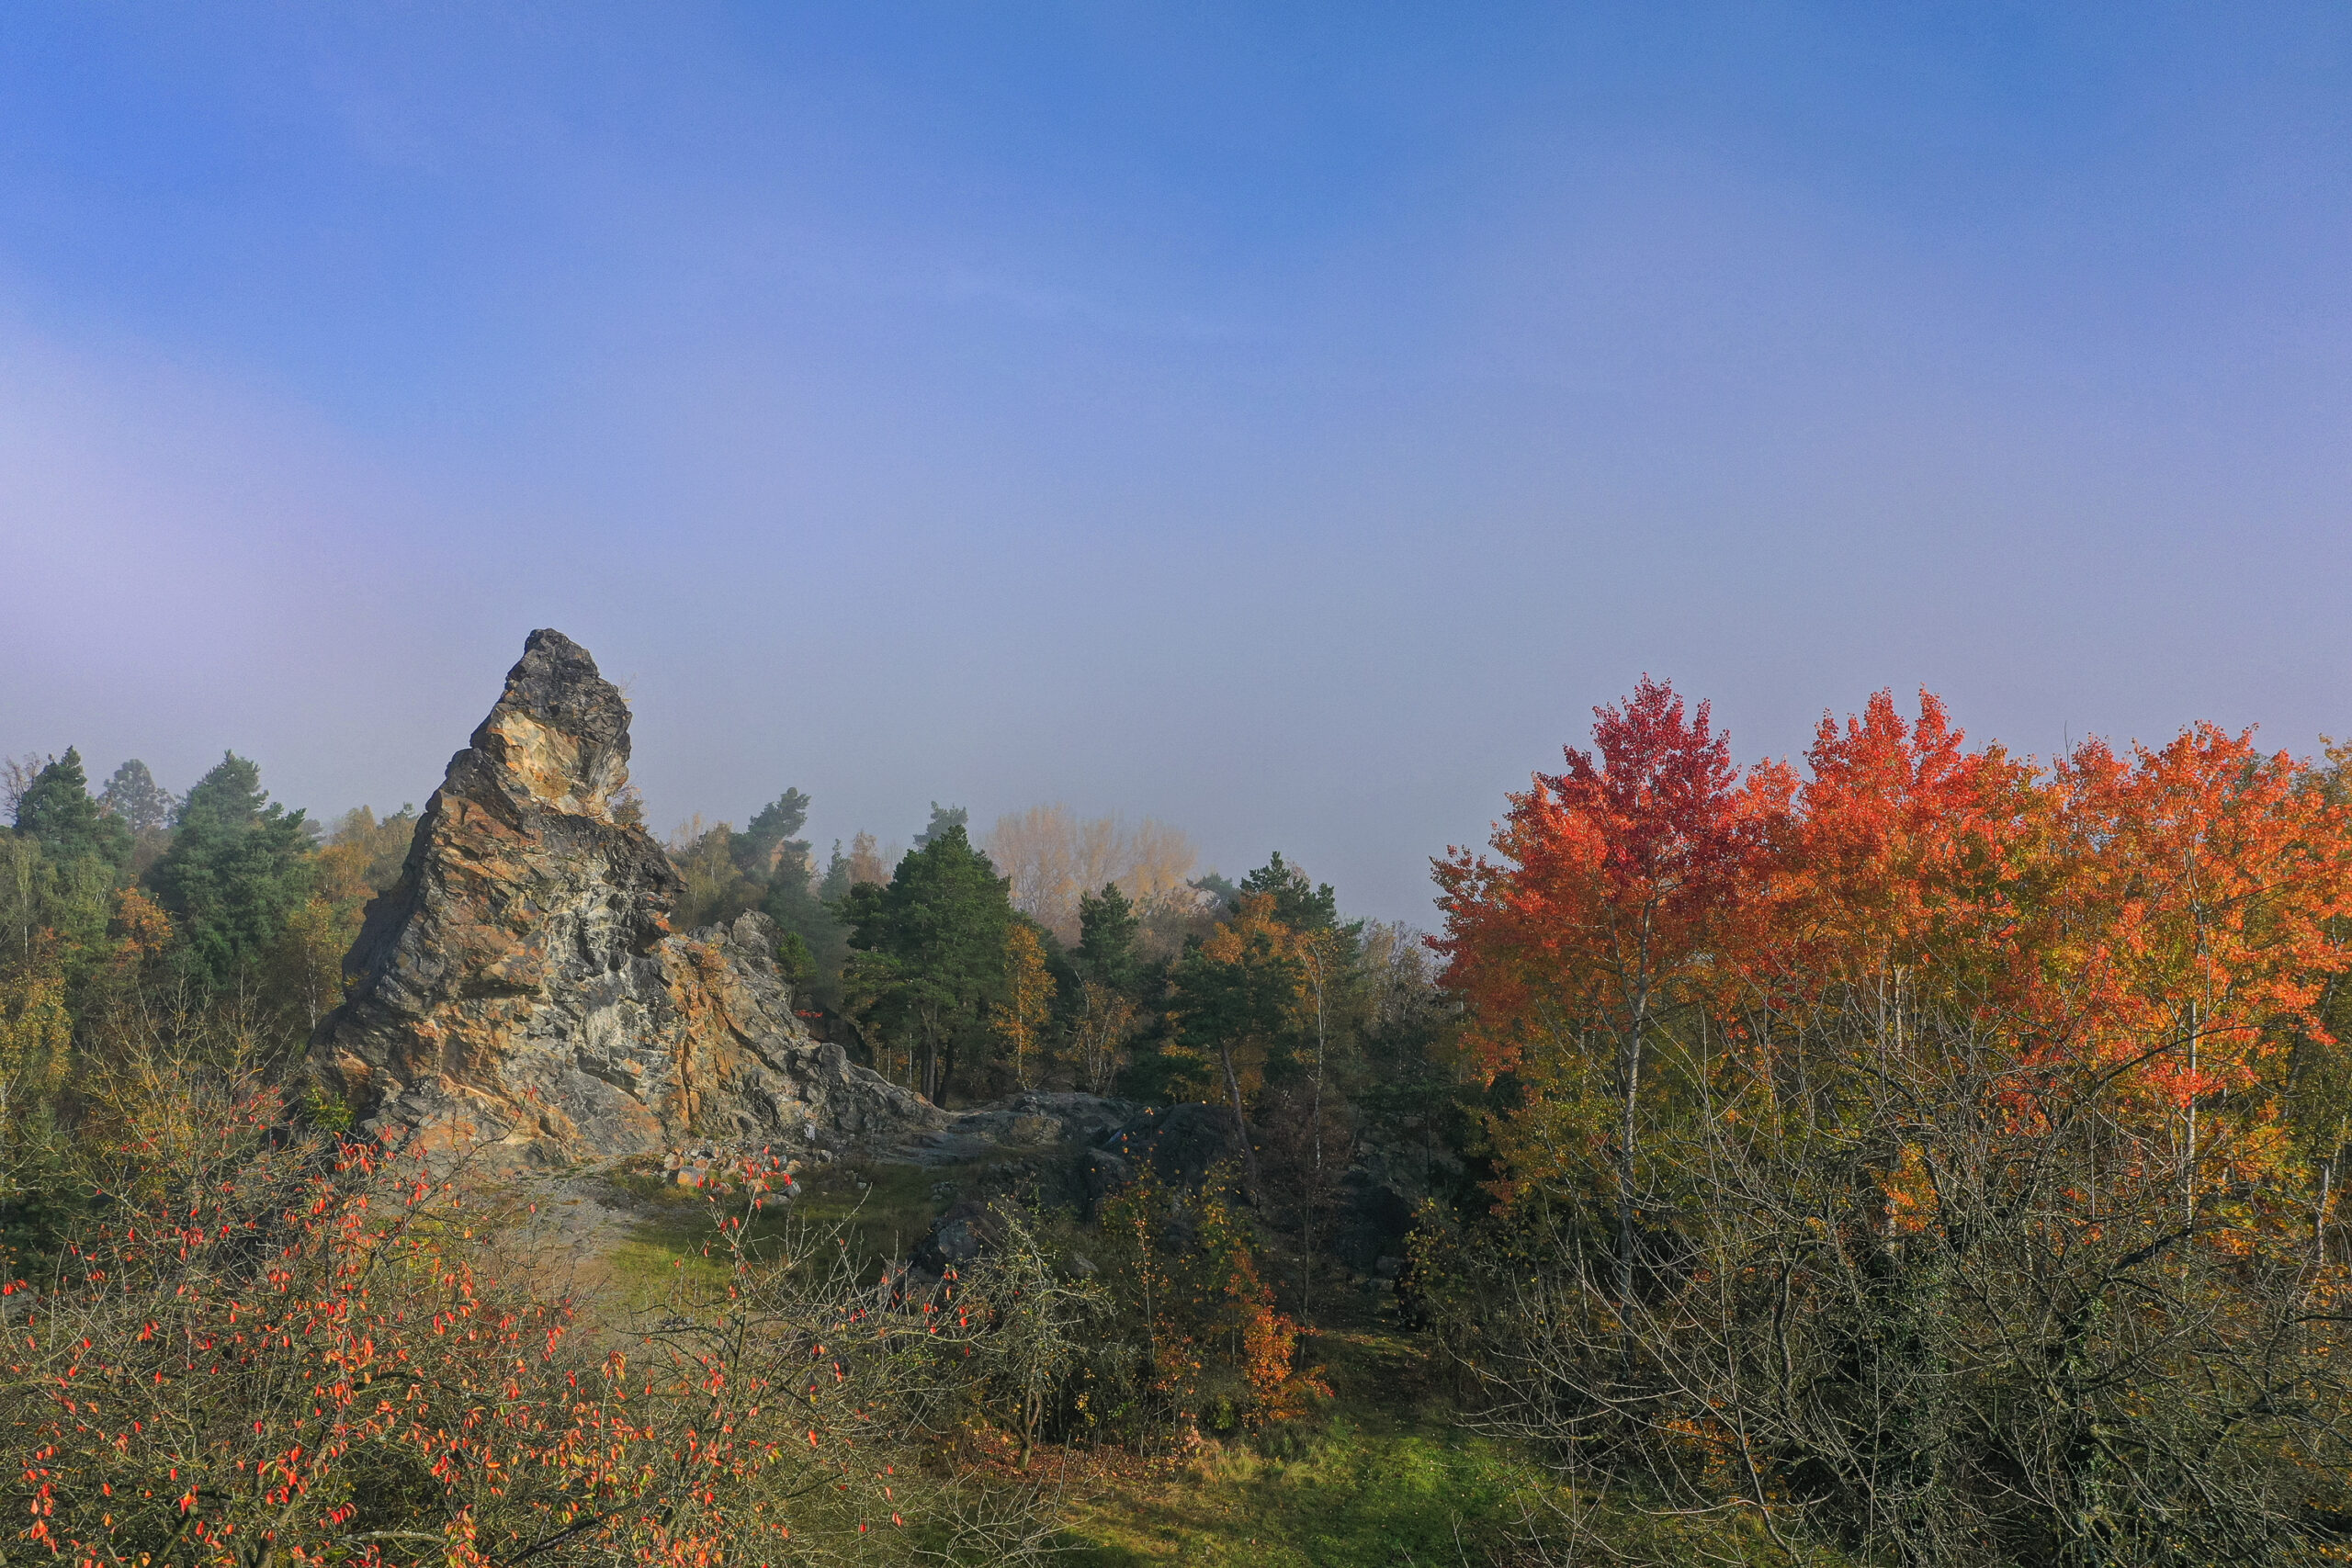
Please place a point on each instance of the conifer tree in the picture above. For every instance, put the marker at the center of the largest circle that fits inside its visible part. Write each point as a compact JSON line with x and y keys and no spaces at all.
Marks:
{"x":930,"y":947}
{"x":1299,"y":903}
{"x":58,"y":812}
{"x":1107,"y":926}
{"x":943,"y":818}
{"x":237,"y":868}
{"x":132,"y":794}
{"x":766,"y":848}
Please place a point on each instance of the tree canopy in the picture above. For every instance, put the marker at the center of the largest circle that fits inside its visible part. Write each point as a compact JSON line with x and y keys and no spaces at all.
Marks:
{"x":132,"y":794}
{"x":929,"y":952}
{"x":237,"y":869}
{"x":59,"y":814}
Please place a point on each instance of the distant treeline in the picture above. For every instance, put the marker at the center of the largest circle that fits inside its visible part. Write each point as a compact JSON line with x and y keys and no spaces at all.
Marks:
{"x":132,"y":912}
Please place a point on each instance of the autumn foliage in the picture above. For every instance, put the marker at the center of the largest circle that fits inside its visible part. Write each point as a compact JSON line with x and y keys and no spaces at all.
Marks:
{"x":1211,"y":1344}
{"x":1925,"y":1148}
{"x":289,"y":1350}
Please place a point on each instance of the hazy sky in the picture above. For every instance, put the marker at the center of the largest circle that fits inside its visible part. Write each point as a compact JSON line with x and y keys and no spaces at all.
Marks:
{"x":1286,"y":422}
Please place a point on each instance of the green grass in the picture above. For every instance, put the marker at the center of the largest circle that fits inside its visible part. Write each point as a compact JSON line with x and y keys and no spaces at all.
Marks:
{"x":882,"y":1211}
{"x":1355,"y":1492}
{"x":1378,"y":1476}
{"x":881,"y":1220}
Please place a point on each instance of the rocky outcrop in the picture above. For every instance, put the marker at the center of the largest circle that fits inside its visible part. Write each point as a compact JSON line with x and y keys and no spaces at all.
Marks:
{"x":1181,"y":1142}
{"x":519,"y":996}
{"x":1034,"y":1119}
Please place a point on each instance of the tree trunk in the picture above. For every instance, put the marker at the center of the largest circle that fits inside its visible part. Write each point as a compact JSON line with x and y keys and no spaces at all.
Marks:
{"x":1315,"y":1183}
{"x":1629,"y":1071}
{"x":1240,"y":1121}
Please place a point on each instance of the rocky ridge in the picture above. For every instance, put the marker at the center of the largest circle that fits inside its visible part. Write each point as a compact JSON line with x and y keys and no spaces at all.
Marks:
{"x":518,"y":997}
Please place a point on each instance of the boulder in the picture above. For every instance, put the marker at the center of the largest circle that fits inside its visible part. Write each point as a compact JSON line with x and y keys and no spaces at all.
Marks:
{"x":958,"y":1236}
{"x":518,"y":997}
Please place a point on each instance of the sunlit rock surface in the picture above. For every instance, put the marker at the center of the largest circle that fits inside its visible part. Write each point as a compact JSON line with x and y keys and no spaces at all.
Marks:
{"x":519,"y":998}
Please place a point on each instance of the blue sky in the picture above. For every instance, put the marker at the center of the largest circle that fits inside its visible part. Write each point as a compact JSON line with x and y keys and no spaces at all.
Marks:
{"x":1284,"y":421}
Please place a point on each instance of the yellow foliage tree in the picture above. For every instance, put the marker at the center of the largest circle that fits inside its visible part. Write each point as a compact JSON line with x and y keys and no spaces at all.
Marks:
{"x":308,"y":960}
{"x":1053,"y":856}
{"x":867,"y":860}
{"x":36,"y":1032}
{"x":1028,"y":997}
{"x":306,"y":963}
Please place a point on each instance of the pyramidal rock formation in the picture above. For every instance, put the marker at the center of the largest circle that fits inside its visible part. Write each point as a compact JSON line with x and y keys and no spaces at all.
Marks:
{"x":519,"y":998}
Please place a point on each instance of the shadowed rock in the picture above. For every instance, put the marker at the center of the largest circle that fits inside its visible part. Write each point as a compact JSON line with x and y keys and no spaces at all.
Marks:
{"x":519,"y":996}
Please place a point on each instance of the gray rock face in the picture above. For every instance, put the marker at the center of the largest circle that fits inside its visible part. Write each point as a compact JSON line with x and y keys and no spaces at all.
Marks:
{"x":1034,"y":1119}
{"x":519,"y":996}
{"x":1181,"y":1142}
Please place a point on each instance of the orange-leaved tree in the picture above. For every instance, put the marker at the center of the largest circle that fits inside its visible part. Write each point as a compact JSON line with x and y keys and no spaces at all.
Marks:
{"x":1616,"y":879}
{"x":1992,"y":1223}
{"x":2192,"y":934}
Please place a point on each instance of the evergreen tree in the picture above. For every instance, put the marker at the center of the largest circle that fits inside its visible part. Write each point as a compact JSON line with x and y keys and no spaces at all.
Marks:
{"x":816,"y":925}
{"x":943,"y":817}
{"x":794,"y":961}
{"x":1107,"y":927}
{"x":1233,"y":999}
{"x":58,"y":813}
{"x":1298,"y":903}
{"x":1227,"y":897}
{"x":766,"y":848}
{"x":237,"y":868}
{"x":929,"y":952}
{"x":835,"y":886}
{"x":133,"y":795}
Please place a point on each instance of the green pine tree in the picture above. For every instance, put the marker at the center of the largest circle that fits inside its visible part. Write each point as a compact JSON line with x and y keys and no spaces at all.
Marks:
{"x":928,"y":955}
{"x":1298,"y":903}
{"x":766,"y":848}
{"x":133,"y":795}
{"x":237,"y":868}
{"x":58,"y":813}
{"x":834,"y":886}
{"x":943,"y":818}
{"x":1107,"y":928}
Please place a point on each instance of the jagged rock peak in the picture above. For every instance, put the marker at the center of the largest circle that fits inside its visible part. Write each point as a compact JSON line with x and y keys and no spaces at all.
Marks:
{"x":557,"y":738}
{"x":519,"y":996}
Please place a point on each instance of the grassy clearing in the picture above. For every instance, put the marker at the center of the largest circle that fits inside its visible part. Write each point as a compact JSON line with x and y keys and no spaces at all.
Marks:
{"x":1377,"y":1477}
{"x":881,"y":1211}
{"x":1382,"y":1476}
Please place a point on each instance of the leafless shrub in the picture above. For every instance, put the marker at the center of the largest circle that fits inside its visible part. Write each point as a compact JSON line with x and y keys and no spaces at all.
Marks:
{"x":1928,"y":1294}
